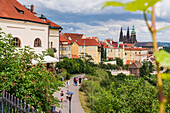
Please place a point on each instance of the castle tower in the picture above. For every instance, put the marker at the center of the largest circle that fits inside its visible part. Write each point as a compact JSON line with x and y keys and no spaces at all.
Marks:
{"x":121,"y":36}
{"x":133,"y":36}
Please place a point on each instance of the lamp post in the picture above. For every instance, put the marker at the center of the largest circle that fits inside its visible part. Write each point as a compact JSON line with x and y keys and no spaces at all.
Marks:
{"x":69,"y":96}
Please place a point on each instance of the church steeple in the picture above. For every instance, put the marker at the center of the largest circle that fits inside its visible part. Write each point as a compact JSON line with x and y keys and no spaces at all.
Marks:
{"x":121,"y":36}
{"x":133,"y":30}
{"x":128,"y":35}
{"x":133,"y":35}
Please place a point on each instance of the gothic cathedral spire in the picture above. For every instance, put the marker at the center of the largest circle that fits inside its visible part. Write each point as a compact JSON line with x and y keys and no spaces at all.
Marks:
{"x":128,"y":35}
{"x":121,"y":36}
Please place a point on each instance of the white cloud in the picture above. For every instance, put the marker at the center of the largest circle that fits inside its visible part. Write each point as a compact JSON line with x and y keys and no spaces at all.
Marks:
{"x":90,"y":6}
{"x":111,"y":29}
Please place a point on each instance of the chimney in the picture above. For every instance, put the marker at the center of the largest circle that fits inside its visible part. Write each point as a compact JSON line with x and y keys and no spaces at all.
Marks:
{"x":32,"y":8}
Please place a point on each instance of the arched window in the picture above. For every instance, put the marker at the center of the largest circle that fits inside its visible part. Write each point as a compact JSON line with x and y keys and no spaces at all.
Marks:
{"x":17,"y":42}
{"x":37,"y":42}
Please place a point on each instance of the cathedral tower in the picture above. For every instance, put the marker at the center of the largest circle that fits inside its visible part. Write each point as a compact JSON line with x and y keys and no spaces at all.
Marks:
{"x":133,"y":36}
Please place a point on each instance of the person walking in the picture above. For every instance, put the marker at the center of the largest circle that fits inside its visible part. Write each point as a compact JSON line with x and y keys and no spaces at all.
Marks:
{"x":67,"y":97}
{"x":62,"y":95}
{"x":74,"y":80}
{"x":67,"y":83}
{"x":80,"y":80}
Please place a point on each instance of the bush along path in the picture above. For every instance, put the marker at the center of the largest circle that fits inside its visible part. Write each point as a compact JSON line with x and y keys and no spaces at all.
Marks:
{"x":75,"y":102}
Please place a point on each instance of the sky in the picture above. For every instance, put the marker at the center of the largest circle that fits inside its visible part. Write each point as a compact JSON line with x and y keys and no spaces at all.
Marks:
{"x":86,"y":17}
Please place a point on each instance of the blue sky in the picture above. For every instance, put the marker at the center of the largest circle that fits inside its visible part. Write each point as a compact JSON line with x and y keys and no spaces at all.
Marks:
{"x":86,"y":17}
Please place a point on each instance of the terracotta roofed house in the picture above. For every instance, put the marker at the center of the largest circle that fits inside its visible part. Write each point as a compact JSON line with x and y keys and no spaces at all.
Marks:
{"x":74,"y":36}
{"x":136,"y":53}
{"x":134,"y":68}
{"x":89,"y":46}
{"x":26,"y":28}
{"x":65,"y":46}
{"x":115,"y":49}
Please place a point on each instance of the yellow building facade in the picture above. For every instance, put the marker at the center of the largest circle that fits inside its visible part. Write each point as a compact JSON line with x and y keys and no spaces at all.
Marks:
{"x":138,"y":54}
{"x":90,"y":49}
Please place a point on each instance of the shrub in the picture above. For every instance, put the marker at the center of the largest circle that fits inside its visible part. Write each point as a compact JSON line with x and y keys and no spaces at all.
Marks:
{"x":68,"y":76}
{"x":32,"y":84}
{"x":121,"y":75}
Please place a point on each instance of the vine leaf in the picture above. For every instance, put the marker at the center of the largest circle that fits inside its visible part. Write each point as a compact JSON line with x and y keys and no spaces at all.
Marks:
{"x":165,"y":76}
{"x":163,"y":58}
{"x":136,"y":5}
{"x":112,"y":3}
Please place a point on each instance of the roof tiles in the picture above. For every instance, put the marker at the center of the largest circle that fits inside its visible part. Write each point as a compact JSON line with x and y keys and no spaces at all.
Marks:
{"x":12,"y":9}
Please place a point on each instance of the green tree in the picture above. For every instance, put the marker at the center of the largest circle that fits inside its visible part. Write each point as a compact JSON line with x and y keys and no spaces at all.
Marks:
{"x":102,"y":53}
{"x":105,"y":53}
{"x":146,"y":69}
{"x":119,"y":61}
{"x":50,"y":52}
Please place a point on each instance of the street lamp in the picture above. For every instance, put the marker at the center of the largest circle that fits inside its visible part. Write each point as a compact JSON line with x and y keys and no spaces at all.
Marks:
{"x":69,"y":96}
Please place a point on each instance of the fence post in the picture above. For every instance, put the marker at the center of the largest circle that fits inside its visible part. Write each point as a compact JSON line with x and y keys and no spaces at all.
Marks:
{"x":1,"y":102}
{"x":53,"y":109}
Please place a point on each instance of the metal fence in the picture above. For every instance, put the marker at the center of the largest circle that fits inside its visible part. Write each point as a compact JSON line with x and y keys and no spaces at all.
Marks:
{"x":11,"y":104}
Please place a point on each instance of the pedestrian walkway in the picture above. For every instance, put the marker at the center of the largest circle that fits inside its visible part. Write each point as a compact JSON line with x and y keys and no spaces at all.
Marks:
{"x":75,"y":103}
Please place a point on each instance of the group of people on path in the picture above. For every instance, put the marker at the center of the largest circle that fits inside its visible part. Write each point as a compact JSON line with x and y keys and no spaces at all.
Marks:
{"x":76,"y":81}
{"x":62,"y":96}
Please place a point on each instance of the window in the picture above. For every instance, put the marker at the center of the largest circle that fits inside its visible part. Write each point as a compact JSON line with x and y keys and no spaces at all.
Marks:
{"x":139,"y":52}
{"x":135,"y":52}
{"x":51,"y":44}
{"x":37,"y":42}
{"x":125,"y":53}
{"x":19,"y":11}
{"x":111,"y":50}
{"x":17,"y":42}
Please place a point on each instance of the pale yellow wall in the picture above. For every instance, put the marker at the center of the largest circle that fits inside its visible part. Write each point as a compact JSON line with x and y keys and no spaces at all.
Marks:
{"x":75,"y":49}
{"x":90,"y":50}
{"x":115,"y":52}
{"x":138,"y":55}
{"x":65,"y":51}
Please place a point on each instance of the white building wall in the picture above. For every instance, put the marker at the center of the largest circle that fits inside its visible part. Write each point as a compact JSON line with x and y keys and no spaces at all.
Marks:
{"x":54,"y":38}
{"x":27,"y":32}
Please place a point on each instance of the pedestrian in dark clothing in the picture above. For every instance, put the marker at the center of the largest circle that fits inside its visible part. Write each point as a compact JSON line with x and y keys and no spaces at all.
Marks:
{"x":74,"y":80}
{"x":80,"y":81}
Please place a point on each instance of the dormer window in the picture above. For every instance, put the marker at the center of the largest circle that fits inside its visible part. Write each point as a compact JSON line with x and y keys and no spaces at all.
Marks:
{"x":19,"y":11}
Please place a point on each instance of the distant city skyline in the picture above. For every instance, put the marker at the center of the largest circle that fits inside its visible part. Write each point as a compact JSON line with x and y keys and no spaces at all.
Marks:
{"x":86,"y":17}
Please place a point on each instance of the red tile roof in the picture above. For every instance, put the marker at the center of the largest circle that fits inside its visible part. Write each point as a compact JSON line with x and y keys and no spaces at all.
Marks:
{"x":114,"y":44}
{"x":129,"y":45}
{"x":88,"y":42}
{"x":75,"y":56}
{"x":11,"y":8}
{"x":130,"y":62}
{"x":136,"y":48}
{"x":148,"y":55}
{"x":52,"y":24}
{"x":74,"y":36}
{"x":63,"y":38}
{"x":104,"y":45}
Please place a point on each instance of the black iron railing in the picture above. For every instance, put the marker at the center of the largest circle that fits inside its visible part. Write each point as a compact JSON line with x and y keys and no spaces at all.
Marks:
{"x":11,"y":104}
